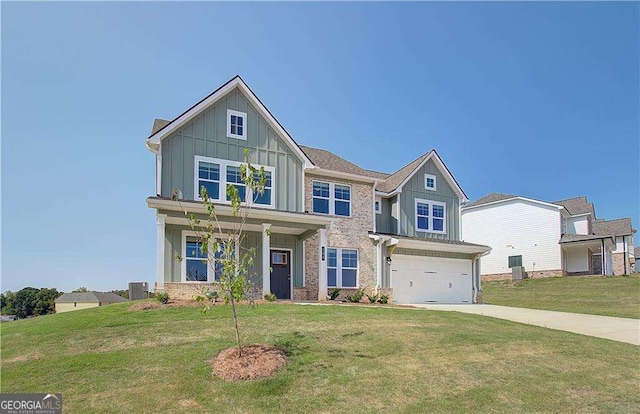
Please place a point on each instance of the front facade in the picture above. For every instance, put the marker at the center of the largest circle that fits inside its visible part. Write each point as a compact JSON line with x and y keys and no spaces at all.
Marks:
{"x":322,"y":222}
{"x":546,"y":238}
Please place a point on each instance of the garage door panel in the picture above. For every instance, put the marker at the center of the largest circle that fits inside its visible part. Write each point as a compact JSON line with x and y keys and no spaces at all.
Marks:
{"x":417,"y":279}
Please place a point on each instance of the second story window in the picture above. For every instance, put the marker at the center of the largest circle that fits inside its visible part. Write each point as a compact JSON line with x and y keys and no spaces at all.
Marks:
{"x":333,"y":199}
{"x":234,"y":177}
{"x":216,"y":174}
{"x":430,"y":182}
{"x":236,"y":124}
{"x":430,"y":216}
{"x":209,"y":178}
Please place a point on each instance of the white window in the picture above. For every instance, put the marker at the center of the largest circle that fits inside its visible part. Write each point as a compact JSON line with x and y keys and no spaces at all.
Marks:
{"x":377,"y":205}
{"x":342,"y":268}
{"x":330,"y":198}
{"x":431,"y":216}
{"x":215,"y":174}
{"x":196,"y":263}
{"x":430,"y":182}
{"x":236,"y":124}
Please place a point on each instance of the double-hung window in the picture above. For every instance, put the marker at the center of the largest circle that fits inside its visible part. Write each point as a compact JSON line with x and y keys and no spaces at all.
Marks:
{"x":215,"y":174}
{"x":234,"y":177}
{"x":236,"y":124}
{"x":430,"y":216}
{"x":330,"y":198}
{"x":198,"y":265}
{"x":342,"y":268}
{"x":209,"y":178}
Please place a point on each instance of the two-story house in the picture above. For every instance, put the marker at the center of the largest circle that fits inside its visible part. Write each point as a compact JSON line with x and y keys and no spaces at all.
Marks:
{"x":332,"y":224}
{"x":546,"y":238}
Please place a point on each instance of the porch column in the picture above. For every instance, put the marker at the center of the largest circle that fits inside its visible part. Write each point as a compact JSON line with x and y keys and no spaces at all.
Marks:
{"x":160,"y":234}
{"x":266,"y":256}
{"x":379,"y":265}
{"x":322,"y":264}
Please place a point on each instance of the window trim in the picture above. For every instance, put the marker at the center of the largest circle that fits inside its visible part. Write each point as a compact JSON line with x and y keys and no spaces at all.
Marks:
{"x":211,"y":276}
{"x":431,"y":203}
{"x":332,"y":198}
{"x":222,"y":193}
{"x":339,"y":268}
{"x":244,"y":125}
{"x":435,"y":182}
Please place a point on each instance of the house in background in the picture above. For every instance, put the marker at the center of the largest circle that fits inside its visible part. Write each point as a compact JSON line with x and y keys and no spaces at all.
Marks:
{"x":84,"y":300}
{"x":546,"y":238}
{"x":332,"y":224}
{"x":636,"y":252}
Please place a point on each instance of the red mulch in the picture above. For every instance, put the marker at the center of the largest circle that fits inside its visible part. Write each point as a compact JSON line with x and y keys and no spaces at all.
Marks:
{"x":257,"y":361}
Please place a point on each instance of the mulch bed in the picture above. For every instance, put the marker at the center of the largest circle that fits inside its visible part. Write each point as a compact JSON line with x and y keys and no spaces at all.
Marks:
{"x":257,"y":361}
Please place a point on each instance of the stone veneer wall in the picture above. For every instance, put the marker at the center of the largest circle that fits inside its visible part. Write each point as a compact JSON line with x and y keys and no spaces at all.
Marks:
{"x":344,"y":232}
{"x":189,"y":291}
{"x":531,"y":275}
{"x":618,"y":264}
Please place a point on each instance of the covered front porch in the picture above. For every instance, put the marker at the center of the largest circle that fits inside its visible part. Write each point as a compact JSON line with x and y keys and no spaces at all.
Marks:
{"x":587,"y":254}
{"x":275,"y":237}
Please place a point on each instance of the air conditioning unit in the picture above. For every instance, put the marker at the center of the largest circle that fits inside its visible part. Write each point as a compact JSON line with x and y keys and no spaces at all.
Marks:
{"x":138,"y":290}
{"x":518,"y":273}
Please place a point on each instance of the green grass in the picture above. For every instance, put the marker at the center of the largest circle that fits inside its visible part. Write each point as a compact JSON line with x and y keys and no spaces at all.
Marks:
{"x":341,"y":359}
{"x":597,"y":295}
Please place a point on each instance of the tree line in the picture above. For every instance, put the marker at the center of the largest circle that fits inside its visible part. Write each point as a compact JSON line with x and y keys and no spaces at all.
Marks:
{"x":29,"y":301}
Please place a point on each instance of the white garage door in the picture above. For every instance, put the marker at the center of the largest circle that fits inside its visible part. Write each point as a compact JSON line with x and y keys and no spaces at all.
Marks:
{"x":419,"y":279}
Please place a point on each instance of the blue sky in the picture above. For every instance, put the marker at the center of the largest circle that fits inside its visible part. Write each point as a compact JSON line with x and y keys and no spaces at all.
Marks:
{"x":536,"y":99}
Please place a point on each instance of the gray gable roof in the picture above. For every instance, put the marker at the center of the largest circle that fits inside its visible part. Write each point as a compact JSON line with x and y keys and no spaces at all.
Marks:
{"x":90,"y":297}
{"x":330,"y":161}
{"x":398,"y":177}
{"x":158,"y":124}
{"x":568,"y":238}
{"x":576,"y":205}
{"x":490,"y":198}
{"x":617,"y":227}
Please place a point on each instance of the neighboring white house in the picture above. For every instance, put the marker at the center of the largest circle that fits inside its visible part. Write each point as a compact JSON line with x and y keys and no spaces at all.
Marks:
{"x":547,"y":239}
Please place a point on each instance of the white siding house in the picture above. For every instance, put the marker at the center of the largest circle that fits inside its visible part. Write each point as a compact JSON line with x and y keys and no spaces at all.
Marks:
{"x":538,"y":227}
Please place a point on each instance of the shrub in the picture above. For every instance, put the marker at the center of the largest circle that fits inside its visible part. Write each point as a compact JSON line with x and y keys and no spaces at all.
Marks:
{"x":270,"y":297}
{"x":357,"y":296}
{"x":162,"y":297}
{"x":334,"y":293}
{"x":372,"y":298}
{"x":383,"y":298}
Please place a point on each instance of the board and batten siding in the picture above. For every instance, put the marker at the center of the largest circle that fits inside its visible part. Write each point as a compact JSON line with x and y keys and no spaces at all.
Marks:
{"x":514,"y":228}
{"x":173,"y":251}
{"x":415,"y":188}
{"x":206,"y":135}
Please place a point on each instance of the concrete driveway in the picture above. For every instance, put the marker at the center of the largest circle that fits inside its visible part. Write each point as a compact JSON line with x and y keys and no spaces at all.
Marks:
{"x":615,"y":329}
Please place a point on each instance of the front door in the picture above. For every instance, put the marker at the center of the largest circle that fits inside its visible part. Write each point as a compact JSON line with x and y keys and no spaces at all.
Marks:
{"x":281,"y":274}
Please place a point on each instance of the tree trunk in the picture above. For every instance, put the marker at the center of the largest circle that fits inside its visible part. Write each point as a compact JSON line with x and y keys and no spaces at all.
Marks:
{"x":235,"y":324}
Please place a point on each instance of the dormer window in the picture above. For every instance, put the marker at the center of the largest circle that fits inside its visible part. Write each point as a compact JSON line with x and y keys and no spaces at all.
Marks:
{"x":430,"y":182}
{"x":236,"y":124}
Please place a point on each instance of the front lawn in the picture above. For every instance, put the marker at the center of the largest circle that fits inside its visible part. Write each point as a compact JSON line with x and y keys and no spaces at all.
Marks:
{"x":341,"y":359}
{"x":597,"y":295}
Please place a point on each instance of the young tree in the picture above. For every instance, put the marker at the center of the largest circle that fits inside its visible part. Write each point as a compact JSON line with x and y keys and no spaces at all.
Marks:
{"x":223,"y":247}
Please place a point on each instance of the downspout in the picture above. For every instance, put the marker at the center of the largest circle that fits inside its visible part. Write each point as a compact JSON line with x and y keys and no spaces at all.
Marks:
{"x":602,"y":258}
{"x":373,"y":192}
{"x":624,"y":253}
{"x":476,"y":283}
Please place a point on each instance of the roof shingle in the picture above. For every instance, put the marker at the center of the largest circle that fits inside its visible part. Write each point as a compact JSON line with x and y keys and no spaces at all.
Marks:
{"x":90,"y":297}
{"x":617,"y":227}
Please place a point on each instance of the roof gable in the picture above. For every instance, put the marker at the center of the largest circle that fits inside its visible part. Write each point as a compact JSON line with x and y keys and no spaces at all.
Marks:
{"x":576,"y":205}
{"x":495,"y":198}
{"x":160,"y":131}
{"x":397,"y":180}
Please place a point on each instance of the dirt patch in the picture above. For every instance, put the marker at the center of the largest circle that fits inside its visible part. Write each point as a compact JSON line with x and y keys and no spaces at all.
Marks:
{"x":145,"y":306}
{"x":257,"y":361}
